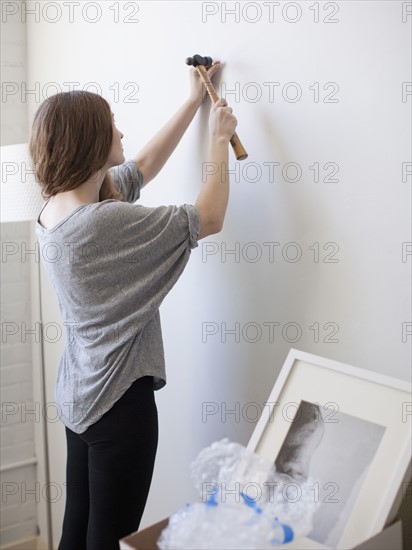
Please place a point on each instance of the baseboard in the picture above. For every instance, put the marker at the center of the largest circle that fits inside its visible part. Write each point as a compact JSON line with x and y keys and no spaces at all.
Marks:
{"x":27,"y":544}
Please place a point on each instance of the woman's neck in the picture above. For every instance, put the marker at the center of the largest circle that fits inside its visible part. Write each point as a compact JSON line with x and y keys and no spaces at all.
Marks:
{"x":85,"y":193}
{"x":61,"y":205}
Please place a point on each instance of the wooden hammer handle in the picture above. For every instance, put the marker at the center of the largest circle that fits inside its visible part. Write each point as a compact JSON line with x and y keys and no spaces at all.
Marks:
{"x":235,"y":142}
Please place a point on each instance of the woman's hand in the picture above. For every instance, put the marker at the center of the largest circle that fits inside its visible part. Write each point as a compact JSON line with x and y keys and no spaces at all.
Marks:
{"x":197,"y":88}
{"x":222,"y":123}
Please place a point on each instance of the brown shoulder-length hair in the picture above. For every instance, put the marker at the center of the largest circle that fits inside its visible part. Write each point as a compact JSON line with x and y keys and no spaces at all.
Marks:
{"x":70,"y":141}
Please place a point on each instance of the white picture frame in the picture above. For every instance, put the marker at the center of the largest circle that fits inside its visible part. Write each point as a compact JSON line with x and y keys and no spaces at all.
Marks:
{"x":369,"y":440}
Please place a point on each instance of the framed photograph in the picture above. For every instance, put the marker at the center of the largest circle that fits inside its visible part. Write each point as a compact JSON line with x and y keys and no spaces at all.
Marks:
{"x":347,"y":428}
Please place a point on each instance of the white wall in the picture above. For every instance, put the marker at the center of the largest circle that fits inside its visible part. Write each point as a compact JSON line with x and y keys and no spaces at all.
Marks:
{"x":354,"y":112}
{"x":18,"y":460}
{"x":20,"y":487}
{"x":13,"y":72}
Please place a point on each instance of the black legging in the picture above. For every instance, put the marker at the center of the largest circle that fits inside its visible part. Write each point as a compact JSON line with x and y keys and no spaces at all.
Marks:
{"x":109,"y":471}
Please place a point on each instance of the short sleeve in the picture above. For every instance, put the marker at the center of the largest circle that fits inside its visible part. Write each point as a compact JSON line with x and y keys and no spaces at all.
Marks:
{"x":193,"y":224}
{"x":128,"y":179}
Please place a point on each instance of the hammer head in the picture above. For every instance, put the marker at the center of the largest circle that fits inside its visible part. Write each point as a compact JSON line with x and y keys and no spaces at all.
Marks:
{"x":199,"y":60}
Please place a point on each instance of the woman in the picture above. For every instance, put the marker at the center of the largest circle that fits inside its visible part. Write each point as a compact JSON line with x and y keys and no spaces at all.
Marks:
{"x":111,"y":263}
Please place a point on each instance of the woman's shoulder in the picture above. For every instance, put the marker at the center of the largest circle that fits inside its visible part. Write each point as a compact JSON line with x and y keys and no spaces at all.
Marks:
{"x":52,"y":218}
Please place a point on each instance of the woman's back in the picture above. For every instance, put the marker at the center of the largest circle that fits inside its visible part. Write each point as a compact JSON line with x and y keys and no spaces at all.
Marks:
{"x":111,"y":264}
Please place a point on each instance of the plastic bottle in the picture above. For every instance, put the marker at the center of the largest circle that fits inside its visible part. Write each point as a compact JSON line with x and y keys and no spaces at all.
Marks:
{"x":280,"y":533}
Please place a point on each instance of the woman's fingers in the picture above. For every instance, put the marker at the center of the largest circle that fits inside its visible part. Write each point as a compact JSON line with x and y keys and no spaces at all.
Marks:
{"x":222,"y":103}
{"x":214,"y":68}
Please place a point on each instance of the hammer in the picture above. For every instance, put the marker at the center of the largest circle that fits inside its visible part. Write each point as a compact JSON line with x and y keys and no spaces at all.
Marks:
{"x":200,"y":62}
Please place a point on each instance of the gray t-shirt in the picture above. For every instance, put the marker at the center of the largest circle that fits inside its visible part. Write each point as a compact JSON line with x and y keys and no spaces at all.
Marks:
{"x":111,"y":264}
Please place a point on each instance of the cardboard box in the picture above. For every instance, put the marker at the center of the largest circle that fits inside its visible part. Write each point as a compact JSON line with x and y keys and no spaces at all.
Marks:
{"x":388,"y":539}
{"x":146,"y":538}
{"x":397,"y":534}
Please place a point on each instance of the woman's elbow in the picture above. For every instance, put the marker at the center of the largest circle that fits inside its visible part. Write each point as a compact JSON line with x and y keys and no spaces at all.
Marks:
{"x":210,"y":228}
{"x":215,"y":227}
{"x":211,"y":220}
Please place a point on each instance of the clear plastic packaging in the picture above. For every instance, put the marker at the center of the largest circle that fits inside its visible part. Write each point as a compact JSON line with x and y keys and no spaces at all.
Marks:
{"x":244,"y":504}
